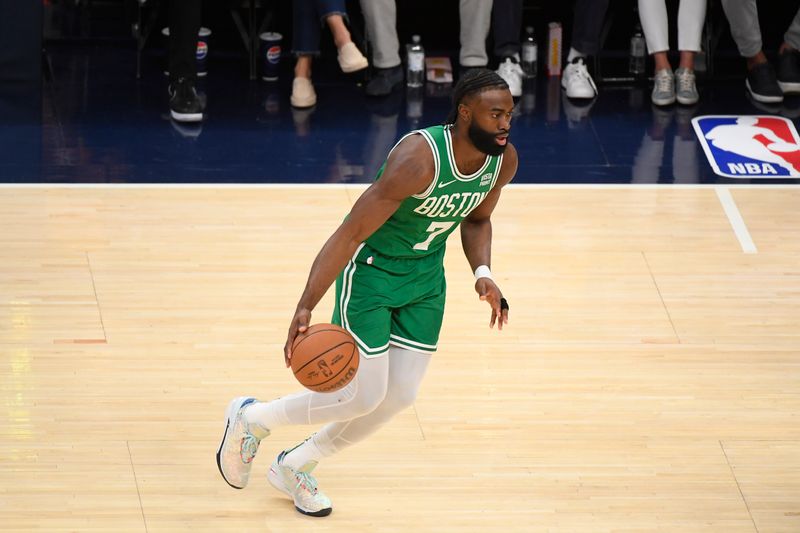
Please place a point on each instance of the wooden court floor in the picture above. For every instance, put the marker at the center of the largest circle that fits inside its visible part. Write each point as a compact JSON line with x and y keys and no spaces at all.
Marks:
{"x":648,"y":380}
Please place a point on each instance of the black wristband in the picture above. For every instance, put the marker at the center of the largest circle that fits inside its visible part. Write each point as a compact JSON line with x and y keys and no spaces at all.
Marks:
{"x":503,"y":304}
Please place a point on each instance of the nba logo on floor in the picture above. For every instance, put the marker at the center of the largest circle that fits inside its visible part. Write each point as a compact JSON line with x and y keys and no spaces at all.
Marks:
{"x":750,"y":146}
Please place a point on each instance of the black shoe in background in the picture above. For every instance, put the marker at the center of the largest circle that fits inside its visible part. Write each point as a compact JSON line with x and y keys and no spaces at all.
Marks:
{"x":762,"y":84}
{"x":384,"y":81}
{"x":185,"y":105}
{"x":789,"y":71}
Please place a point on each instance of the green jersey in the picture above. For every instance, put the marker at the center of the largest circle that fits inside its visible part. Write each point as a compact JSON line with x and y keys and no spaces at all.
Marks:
{"x":421,"y":224}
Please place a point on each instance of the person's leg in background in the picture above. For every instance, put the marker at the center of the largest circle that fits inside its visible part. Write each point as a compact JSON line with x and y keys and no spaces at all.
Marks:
{"x":506,"y":29}
{"x":691,"y":18}
{"x":380,"y":17}
{"x":349,"y":56}
{"x":789,"y":59}
{"x":653,"y":14}
{"x":761,"y":83}
{"x":589,"y":16}
{"x":184,"y":24}
{"x":476,"y":17}
{"x":305,"y":45}
{"x":307,"y":17}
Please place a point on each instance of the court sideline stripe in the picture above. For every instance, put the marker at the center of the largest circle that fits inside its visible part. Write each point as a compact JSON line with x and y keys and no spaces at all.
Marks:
{"x":736,"y":220}
{"x":357,"y":186}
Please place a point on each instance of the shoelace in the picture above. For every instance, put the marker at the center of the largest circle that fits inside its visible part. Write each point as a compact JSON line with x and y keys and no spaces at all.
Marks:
{"x":508,"y":68}
{"x":686,"y":82}
{"x":249,"y":448}
{"x":664,"y":83}
{"x":184,"y":89}
{"x":579,"y":69}
{"x":307,"y":481}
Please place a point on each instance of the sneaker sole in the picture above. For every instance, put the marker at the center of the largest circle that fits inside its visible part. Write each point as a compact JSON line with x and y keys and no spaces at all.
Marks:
{"x":761,"y":97}
{"x":348,"y":69}
{"x":579,"y":96}
{"x":688,"y":101}
{"x":273,"y":479}
{"x":789,"y":87}
{"x":186,"y":117}
{"x":668,"y":101}
{"x":303,"y":105}
{"x":230,"y":414}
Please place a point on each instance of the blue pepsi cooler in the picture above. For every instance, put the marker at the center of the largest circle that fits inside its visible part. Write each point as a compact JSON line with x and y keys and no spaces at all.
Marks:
{"x":270,"y":51}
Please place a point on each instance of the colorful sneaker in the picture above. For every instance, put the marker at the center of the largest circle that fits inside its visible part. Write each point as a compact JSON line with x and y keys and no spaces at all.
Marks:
{"x":239,"y":445}
{"x":299,"y":485}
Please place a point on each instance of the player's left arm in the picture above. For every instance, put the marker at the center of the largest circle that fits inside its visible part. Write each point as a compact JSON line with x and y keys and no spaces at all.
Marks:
{"x":476,"y":239}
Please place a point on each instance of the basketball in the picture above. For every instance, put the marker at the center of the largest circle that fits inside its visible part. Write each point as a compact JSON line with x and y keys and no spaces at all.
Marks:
{"x":324,"y":358}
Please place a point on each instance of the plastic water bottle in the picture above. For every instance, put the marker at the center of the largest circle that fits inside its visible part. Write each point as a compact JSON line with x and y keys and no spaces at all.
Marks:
{"x":638,"y":52}
{"x":416,"y":63}
{"x":530,"y":53}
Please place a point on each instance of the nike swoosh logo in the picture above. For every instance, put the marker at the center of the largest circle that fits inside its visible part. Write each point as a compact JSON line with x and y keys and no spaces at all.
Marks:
{"x":445,"y":184}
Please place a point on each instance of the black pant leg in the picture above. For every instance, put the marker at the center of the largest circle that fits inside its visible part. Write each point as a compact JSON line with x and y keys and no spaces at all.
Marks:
{"x":184,"y":25}
{"x":507,"y":24}
{"x":589,"y":18}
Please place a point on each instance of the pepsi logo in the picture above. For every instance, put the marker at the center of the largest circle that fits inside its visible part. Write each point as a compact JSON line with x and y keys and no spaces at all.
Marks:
{"x":202,"y":50}
{"x":274,"y":54}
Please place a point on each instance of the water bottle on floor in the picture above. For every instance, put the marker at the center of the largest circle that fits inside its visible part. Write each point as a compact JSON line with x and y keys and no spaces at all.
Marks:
{"x":530,"y":53}
{"x":416,"y":62}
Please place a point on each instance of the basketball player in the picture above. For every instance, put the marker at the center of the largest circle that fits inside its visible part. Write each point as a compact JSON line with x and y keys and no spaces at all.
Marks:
{"x":386,"y":258}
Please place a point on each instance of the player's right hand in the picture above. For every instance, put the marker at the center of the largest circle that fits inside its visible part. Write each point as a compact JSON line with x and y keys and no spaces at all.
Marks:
{"x":299,"y":324}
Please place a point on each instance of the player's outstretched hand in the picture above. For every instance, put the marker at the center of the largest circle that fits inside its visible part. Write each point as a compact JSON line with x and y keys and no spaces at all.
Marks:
{"x":489,"y":292}
{"x":299,"y":324}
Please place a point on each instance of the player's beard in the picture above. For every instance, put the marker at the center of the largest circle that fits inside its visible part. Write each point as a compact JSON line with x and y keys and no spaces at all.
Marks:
{"x":485,"y":140}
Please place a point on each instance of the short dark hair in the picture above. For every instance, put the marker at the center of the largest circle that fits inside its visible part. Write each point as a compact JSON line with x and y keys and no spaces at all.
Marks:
{"x":475,"y":81}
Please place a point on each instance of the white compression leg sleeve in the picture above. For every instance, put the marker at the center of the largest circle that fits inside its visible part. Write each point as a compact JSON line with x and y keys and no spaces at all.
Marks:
{"x":361,"y":396}
{"x":406,"y":370}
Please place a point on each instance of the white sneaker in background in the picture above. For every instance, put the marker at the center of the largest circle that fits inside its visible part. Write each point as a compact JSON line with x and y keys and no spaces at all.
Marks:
{"x":303,"y":94}
{"x":351,"y":59}
{"x":576,"y":80}
{"x":511,"y":72}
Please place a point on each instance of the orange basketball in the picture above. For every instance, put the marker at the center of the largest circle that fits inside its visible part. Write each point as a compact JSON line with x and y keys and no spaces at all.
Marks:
{"x":324,"y":358}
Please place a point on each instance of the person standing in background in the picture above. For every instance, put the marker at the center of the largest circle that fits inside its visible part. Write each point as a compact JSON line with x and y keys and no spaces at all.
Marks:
{"x":762,"y":84}
{"x":380,"y":17}
{"x":306,"y":20}
{"x":185,"y":105}
{"x":681,"y":85}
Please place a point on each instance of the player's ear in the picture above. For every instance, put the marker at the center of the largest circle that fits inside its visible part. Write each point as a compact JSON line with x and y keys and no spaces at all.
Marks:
{"x":464,"y":112}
